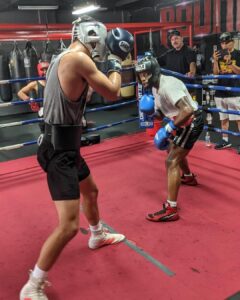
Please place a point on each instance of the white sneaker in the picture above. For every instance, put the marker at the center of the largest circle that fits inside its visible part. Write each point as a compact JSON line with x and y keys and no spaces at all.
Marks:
{"x":34,"y":289}
{"x":103,"y":238}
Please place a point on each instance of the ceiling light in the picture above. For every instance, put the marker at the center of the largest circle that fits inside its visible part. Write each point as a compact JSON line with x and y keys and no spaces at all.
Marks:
{"x":31,"y":7}
{"x":86,"y":9}
{"x":38,"y":5}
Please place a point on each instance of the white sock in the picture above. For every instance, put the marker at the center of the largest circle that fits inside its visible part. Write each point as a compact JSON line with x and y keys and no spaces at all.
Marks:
{"x":38,"y":273}
{"x":172,"y":203}
{"x":189,"y":174}
{"x":95,"y":228}
{"x":225,"y":138}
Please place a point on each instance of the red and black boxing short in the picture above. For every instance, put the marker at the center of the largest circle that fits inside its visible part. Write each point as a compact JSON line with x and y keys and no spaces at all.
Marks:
{"x":65,"y":169}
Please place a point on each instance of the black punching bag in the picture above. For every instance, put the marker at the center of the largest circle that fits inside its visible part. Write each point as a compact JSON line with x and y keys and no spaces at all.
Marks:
{"x":17,"y":67}
{"x":61,"y":48}
{"x":47,"y":53}
{"x":5,"y":89}
{"x":30,"y":60}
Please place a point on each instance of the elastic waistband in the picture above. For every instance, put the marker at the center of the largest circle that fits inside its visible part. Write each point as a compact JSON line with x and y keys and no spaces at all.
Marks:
{"x":63,"y":137}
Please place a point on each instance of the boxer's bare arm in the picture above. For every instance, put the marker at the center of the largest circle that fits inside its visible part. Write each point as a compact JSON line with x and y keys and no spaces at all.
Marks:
{"x":185,"y":111}
{"x":23,"y":94}
{"x":75,"y":69}
{"x":108,"y":87}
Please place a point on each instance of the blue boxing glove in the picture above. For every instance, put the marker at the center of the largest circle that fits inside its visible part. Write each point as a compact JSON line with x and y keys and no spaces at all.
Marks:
{"x":162,"y":136}
{"x":146,"y":104}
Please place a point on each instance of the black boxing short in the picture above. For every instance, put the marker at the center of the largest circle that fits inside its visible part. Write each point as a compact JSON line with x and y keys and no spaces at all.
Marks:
{"x":65,"y":169}
{"x":187,"y":136}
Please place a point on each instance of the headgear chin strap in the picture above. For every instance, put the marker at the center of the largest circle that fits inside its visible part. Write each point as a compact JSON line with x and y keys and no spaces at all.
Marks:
{"x":41,"y":66}
{"x":149,"y":64}
{"x":92,"y":35}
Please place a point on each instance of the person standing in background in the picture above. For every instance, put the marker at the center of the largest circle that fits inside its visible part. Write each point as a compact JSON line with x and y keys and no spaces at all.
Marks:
{"x":227,"y":61}
{"x":180,"y":58}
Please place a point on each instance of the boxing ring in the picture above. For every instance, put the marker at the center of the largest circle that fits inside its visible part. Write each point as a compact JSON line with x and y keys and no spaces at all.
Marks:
{"x":181,"y":260}
{"x":195,"y":258}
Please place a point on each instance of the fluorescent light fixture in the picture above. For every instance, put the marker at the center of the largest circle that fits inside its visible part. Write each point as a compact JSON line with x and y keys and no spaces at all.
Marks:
{"x":38,"y":4}
{"x":38,"y":7}
{"x":85,"y":9}
{"x":184,"y":3}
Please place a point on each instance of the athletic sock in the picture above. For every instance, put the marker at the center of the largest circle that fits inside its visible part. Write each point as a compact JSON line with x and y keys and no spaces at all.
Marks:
{"x":38,"y":273}
{"x":188,"y":175}
{"x":94,"y":228}
{"x":172,"y":203}
{"x":225,"y":138}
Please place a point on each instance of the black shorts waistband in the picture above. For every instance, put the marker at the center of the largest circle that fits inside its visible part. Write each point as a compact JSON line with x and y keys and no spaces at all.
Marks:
{"x":63,"y":137}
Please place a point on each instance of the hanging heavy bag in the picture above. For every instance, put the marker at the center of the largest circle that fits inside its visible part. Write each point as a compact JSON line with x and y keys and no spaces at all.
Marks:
{"x":5,"y":89}
{"x":16,"y":65}
{"x":30,"y":59}
{"x":61,"y":47}
{"x":47,"y":53}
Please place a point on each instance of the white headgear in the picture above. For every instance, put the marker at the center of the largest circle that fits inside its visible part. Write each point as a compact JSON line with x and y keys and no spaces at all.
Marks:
{"x":88,"y":32}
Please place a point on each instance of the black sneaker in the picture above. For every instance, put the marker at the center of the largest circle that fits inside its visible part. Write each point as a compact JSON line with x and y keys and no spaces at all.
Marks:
{"x":223,"y":145}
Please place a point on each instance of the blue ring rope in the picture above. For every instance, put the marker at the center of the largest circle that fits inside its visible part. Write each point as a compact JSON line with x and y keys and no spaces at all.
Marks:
{"x":221,"y":88}
{"x":17,"y":146}
{"x":110,"y":106}
{"x":225,"y":111}
{"x":213,"y":87}
{"x":210,"y":128}
{"x":7,"y":81}
{"x":232,"y":76}
{"x":38,"y":120}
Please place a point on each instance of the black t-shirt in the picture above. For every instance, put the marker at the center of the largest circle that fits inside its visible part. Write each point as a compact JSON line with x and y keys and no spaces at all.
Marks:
{"x":226,"y":70}
{"x":178,"y":60}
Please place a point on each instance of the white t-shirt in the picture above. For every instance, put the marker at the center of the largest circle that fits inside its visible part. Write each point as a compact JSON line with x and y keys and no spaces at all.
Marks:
{"x":170,"y":91}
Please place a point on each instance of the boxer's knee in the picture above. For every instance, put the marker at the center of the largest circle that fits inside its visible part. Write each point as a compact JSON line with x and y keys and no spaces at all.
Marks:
{"x":69,"y":229}
{"x":172,"y":163}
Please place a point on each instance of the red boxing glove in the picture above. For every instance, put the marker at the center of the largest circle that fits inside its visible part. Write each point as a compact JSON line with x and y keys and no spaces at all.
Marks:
{"x":34,"y":106}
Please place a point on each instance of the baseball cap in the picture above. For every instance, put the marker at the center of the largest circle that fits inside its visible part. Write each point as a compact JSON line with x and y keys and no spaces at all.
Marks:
{"x":173,"y":32}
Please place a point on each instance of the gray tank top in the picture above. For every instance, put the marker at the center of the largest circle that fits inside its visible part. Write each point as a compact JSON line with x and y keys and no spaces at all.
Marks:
{"x":58,"y":109}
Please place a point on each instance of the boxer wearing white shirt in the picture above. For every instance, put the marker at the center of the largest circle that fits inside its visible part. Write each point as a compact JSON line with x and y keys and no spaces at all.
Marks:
{"x":173,"y":100}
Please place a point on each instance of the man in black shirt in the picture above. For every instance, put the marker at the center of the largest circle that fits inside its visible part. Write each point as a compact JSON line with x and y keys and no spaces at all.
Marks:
{"x":227,"y":61}
{"x":180,"y":58}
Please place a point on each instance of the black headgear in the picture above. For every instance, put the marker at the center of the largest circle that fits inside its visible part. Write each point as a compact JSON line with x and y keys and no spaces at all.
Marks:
{"x":148,"y":64}
{"x":226,"y":37}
